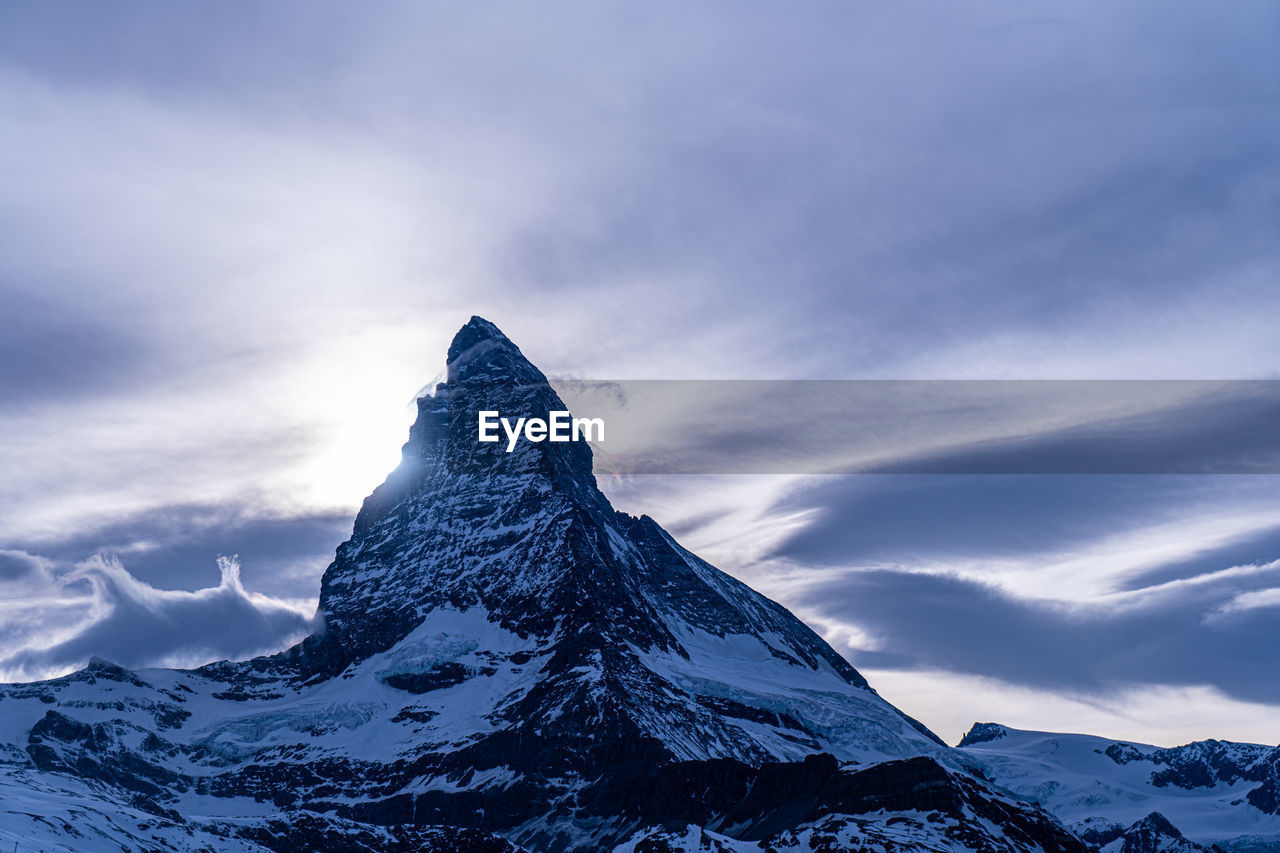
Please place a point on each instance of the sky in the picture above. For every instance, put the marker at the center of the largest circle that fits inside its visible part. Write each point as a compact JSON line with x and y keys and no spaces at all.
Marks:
{"x":236,"y":238}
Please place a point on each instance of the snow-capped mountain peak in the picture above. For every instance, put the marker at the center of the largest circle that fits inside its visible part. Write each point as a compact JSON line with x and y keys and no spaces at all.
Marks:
{"x":505,"y":660}
{"x":649,"y":643}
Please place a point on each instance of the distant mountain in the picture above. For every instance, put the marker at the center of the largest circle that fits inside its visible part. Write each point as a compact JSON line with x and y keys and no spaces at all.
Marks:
{"x":1135,"y":798}
{"x":506,"y":663}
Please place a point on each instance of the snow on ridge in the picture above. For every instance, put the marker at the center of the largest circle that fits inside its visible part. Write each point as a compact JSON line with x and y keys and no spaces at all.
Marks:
{"x":1081,"y":777}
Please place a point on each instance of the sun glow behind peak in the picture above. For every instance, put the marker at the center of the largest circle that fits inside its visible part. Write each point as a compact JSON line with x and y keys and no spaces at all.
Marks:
{"x":359,"y":394}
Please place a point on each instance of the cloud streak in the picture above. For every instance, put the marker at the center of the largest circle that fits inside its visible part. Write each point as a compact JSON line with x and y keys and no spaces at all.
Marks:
{"x":19,"y":569}
{"x":1183,"y":635}
{"x":137,"y":625}
{"x":237,"y":238}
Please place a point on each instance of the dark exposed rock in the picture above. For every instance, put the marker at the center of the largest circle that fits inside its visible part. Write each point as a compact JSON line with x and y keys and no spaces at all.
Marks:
{"x":1155,"y":834}
{"x":298,"y":831}
{"x":101,"y":752}
{"x":983,"y":733}
{"x":759,"y":802}
{"x":438,"y":677}
{"x":1205,"y":764}
{"x":1098,"y":831}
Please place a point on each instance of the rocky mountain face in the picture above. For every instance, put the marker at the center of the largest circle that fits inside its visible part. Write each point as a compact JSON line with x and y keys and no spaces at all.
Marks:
{"x":1153,"y":834}
{"x":507,"y":663}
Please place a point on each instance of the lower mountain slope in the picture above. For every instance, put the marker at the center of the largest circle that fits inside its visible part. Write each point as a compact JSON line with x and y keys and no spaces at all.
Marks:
{"x":1208,"y":792}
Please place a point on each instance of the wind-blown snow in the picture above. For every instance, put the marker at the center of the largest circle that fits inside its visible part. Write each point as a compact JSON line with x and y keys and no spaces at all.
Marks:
{"x":135,"y":624}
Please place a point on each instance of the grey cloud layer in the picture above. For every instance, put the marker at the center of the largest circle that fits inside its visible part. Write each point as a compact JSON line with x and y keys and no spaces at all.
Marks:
{"x":1194,"y":635}
{"x":222,"y":224}
{"x":929,"y":427}
{"x":897,"y":518}
{"x":174,"y":546}
{"x":847,"y":206}
{"x":134,"y":624}
{"x":920,"y":565}
{"x":18,"y":567}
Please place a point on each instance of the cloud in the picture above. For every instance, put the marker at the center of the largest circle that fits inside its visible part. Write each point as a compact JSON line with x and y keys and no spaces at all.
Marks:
{"x":19,"y":567}
{"x":51,"y":349}
{"x":1070,"y":537}
{"x":1167,"y":716}
{"x":1087,"y":588}
{"x":1219,"y":631}
{"x":252,"y":231}
{"x":934,"y":427}
{"x":236,"y":238}
{"x":1268,"y":598}
{"x":137,"y":625}
{"x":171,"y":546}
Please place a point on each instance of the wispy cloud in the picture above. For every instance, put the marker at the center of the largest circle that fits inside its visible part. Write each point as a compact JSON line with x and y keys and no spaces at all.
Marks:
{"x":1186,"y":636}
{"x":18,"y":569}
{"x":137,"y":625}
{"x":235,"y":239}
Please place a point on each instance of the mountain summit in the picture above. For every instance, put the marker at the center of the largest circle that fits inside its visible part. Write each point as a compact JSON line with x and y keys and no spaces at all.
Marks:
{"x":504,"y":660}
{"x":640,"y":646}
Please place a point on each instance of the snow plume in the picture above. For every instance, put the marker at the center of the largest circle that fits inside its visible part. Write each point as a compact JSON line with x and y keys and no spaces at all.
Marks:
{"x":111,"y":614}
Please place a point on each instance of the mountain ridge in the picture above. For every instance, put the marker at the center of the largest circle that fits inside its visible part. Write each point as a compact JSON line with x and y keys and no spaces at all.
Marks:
{"x":1212,"y":792}
{"x":505,"y":663}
